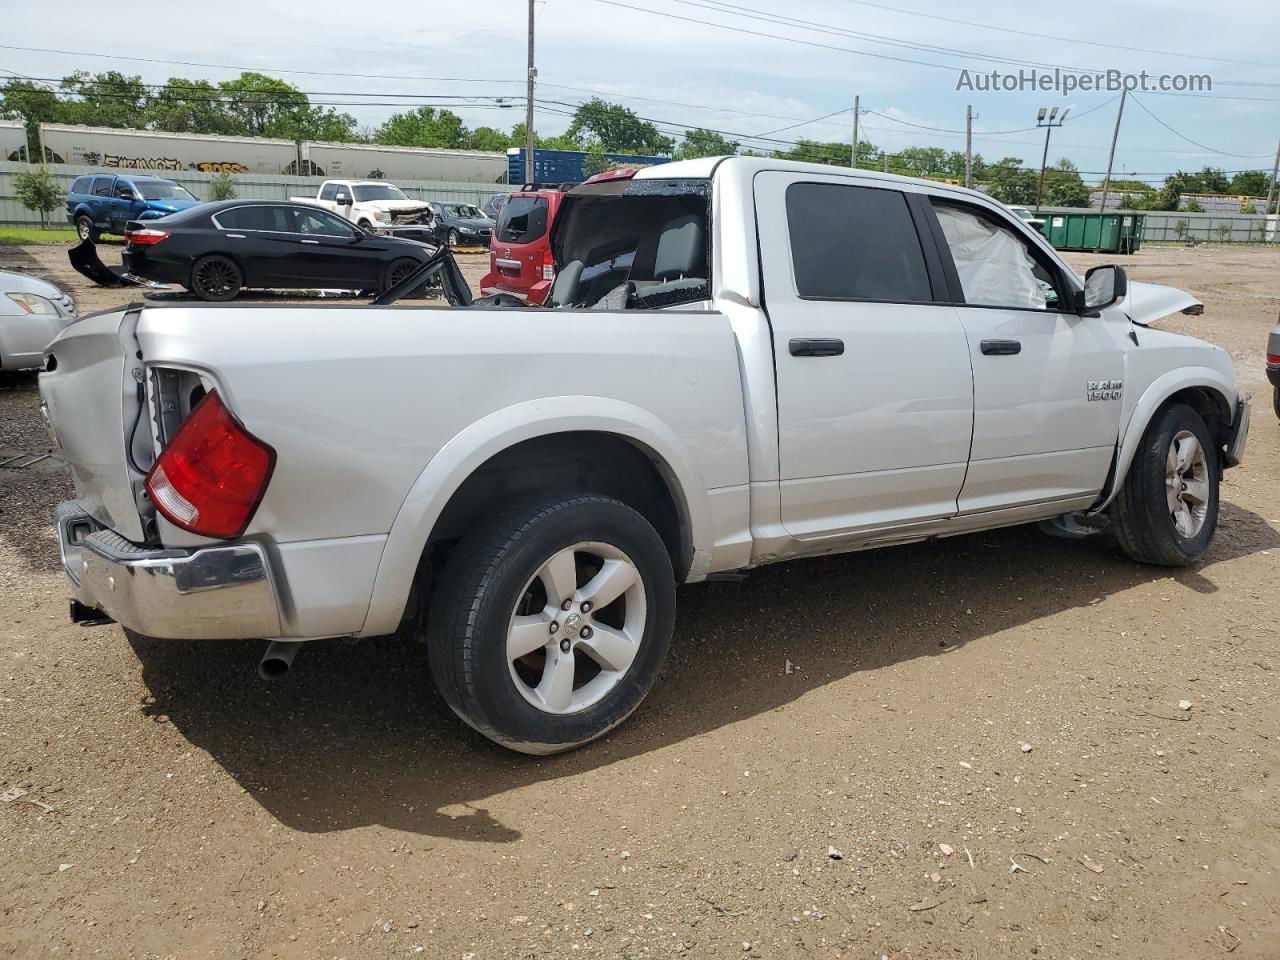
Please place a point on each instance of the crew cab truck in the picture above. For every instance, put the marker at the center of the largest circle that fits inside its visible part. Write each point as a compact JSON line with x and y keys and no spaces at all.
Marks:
{"x":374,"y":205}
{"x":744,"y":360}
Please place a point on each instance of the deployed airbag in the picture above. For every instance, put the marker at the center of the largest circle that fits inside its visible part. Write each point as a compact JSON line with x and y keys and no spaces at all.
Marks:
{"x":994,"y":266}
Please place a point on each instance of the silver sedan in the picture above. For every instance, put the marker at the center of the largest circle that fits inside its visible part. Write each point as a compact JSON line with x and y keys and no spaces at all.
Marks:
{"x":32,"y":313}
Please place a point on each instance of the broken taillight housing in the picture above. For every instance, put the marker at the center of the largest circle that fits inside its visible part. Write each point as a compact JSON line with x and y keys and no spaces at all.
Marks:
{"x":548,"y":263}
{"x":212,"y":476}
{"x":146,"y":237}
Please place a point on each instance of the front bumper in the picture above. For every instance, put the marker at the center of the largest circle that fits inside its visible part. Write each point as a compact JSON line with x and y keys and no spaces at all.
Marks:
{"x":211,"y":593}
{"x":1239,"y":432}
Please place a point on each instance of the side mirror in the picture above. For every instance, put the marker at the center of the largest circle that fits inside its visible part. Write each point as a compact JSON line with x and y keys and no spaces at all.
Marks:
{"x":1103,"y":286}
{"x":343,"y":200}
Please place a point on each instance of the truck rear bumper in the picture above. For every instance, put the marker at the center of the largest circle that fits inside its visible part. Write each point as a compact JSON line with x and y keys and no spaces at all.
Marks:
{"x":222,"y":592}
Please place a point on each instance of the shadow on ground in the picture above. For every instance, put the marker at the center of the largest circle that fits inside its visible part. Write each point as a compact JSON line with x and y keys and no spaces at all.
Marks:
{"x":357,"y":734}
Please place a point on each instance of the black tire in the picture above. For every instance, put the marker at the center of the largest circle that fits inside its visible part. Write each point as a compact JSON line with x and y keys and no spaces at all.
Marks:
{"x":1275,"y":399}
{"x":85,"y":229}
{"x":397,"y":270}
{"x":365,"y":225}
{"x":453,"y":238}
{"x":1141,"y":514}
{"x":490,"y":572}
{"x":216,"y":278}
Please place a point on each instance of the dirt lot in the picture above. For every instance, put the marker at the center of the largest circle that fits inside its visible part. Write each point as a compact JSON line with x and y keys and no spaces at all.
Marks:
{"x":1012,"y":697}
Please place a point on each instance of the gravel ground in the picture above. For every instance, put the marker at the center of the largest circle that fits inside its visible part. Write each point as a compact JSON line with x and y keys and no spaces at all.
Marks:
{"x":979,"y":752}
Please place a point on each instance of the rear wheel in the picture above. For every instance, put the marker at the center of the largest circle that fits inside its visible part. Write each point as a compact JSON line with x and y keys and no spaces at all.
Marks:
{"x":216,"y":278}
{"x":85,"y":229}
{"x":1275,"y":399}
{"x":551,"y":621}
{"x":1167,"y":509}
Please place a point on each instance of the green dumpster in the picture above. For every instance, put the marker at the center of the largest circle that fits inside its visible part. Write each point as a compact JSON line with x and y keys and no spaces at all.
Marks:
{"x":1119,"y":232}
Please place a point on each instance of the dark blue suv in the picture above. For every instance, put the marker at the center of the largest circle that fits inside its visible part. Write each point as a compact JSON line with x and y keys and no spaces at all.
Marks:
{"x":104,"y":203}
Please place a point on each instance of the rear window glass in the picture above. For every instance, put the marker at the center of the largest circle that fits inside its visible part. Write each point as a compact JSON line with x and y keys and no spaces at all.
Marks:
{"x":82,"y":185}
{"x":523,"y":220}
{"x":854,"y":243}
{"x":256,"y":218}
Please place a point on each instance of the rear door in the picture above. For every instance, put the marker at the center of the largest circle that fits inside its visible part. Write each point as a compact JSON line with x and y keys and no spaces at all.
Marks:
{"x":263,"y":240}
{"x":1046,"y":380}
{"x":875,"y":394}
{"x":519,"y":244}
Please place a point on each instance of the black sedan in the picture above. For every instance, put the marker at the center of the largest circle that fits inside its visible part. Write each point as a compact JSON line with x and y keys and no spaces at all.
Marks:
{"x":217,"y":249}
{"x":458,"y":223}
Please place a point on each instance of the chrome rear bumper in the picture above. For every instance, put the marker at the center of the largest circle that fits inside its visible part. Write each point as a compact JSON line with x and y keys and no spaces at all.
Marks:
{"x":222,"y":592}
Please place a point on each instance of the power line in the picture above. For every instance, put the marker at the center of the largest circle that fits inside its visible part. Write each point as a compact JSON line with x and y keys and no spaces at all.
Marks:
{"x":1046,"y":36}
{"x":1183,"y":136}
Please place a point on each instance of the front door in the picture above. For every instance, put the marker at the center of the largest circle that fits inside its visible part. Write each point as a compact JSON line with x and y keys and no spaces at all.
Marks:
{"x":1046,"y":381}
{"x":335,"y":254}
{"x":875,"y":393}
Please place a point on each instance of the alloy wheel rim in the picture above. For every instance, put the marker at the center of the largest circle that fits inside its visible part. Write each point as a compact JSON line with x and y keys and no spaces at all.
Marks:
{"x":83,"y":230}
{"x":1186,"y":477}
{"x":576,"y":628}
{"x":215,"y":278}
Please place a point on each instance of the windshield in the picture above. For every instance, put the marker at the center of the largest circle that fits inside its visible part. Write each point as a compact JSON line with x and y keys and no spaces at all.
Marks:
{"x":377,"y":191}
{"x":162,"y":190}
{"x":462,"y":210}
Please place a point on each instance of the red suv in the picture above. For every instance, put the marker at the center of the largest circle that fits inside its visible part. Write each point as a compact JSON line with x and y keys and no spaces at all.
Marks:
{"x":520,"y":260}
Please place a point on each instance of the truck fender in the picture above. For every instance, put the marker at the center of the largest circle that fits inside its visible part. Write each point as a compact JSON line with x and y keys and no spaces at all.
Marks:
{"x":472,"y":447}
{"x":1157,"y":392}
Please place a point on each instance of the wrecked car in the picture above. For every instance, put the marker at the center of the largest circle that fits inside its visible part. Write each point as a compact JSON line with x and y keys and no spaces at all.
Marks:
{"x":375,"y":206}
{"x":105,"y":203}
{"x":742,"y":361}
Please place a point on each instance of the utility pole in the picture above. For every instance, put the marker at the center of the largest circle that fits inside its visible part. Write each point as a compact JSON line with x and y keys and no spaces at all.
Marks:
{"x":1275,"y":169}
{"x":1048,"y":125}
{"x":853,"y":155}
{"x":1106,"y":182}
{"x":885,"y":156}
{"x":968,"y":147}
{"x":528,"y":107}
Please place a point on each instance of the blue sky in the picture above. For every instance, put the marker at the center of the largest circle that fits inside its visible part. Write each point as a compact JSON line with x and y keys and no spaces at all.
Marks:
{"x":780,"y":65}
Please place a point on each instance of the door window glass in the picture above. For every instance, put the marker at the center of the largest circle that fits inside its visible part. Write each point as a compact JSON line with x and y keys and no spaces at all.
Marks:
{"x":265,"y":218}
{"x":102,"y":186}
{"x":124,"y":190}
{"x":855,"y":243}
{"x":320,"y":223}
{"x":330,"y":192}
{"x":997,"y":267}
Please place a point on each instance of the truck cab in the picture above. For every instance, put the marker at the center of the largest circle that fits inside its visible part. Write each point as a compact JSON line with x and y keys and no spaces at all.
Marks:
{"x":103,"y":203}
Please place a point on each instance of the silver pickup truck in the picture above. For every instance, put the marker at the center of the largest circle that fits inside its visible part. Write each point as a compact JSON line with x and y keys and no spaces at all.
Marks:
{"x":743,"y":361}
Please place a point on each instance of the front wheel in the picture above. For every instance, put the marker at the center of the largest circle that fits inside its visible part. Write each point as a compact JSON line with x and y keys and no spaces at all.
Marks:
{"x":551,"y":621}
{"x":453,"y":238}
{"x":1167,"y":509}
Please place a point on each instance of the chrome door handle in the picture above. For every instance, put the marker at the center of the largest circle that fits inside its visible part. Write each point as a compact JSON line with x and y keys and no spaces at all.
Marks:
{"x":235,"y":236}
{"x":315,"y":242}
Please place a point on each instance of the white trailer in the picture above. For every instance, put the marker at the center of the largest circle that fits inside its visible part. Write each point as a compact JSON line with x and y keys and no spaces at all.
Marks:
{"x":13,"y":140}
{"x":154,"y":150}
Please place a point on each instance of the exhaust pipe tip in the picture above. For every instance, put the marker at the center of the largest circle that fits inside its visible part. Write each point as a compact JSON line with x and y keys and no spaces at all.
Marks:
{"x":278,"y":660}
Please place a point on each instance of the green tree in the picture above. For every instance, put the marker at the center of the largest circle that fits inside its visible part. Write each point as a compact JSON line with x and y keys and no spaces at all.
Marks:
{"x":37,"y":190}
{"x":833,"y":153}
{"x":222,"y":187}
{"x":262,"y":106}
{"x":487,"y":138}
{"x":1223,"y":230}
{"x":704,"y":143}
{"x":33,"y":105}
{"x":108,"y":99}
{"x":424,"y":127}
{"x":1009,"y":182}
{"x":190,"y":106}
{"x":1064,"y":187}
{"x":616,"y":129}
{"x":1250,"y":183}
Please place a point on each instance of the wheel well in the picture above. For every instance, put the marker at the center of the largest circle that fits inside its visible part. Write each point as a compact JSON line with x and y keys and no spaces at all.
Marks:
{"x":601,"y":463}
{"x":1212,"y":407}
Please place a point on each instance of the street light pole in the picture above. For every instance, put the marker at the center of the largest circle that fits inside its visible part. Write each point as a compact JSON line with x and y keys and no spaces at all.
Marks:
{"x":1048,"y":124}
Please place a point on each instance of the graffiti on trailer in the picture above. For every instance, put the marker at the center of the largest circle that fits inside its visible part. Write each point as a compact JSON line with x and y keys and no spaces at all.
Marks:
{"x":221,"y":167}
{"x":95,"y":159}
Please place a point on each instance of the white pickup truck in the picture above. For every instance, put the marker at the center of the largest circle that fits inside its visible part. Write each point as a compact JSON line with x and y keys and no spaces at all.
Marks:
{"x":744,"y":360}
{"x":375,"y":205}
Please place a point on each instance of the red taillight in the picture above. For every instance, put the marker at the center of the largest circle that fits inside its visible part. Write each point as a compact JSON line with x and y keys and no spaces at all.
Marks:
{"x":146,"y":237}
{"x":1273,"y":360}
{"x":548,"y":263}
{"x":211,"y":477}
